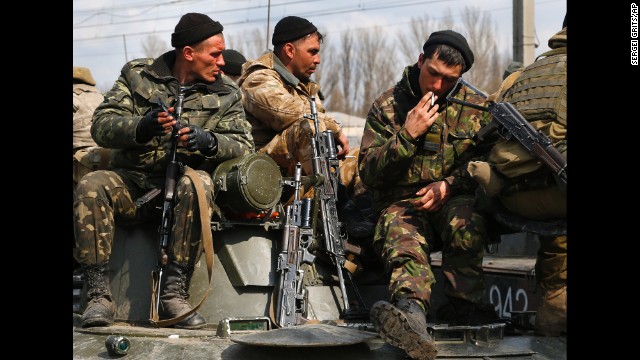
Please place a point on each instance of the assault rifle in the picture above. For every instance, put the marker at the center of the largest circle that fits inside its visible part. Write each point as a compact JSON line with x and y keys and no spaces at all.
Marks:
{"x":326,"y":170}
{"x":174,"y":169}
{"x":509,"y":123}
{"x":291,"y":303}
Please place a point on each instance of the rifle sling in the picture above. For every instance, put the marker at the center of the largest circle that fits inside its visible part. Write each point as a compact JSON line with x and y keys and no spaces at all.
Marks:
{"x":207,"y":239}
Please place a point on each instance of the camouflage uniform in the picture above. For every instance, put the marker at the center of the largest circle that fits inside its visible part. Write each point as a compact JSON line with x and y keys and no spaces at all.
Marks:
{"x":87,"y":155}
{"x":545,"y":109}
{"x":275,"y":102}
{"x":524,"y":185}
{"x":394,"y":167}
{"x":540,"y":94}
{"x":103,"y":196}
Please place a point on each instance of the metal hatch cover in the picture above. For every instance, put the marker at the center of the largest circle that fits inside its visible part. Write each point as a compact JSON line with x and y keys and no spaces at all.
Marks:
{"x":308,"y":335}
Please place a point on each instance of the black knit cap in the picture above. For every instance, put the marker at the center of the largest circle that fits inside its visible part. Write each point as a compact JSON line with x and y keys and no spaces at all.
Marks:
{"x":233,"y":61}
{"x":455,"y":40}
{"x":291,"y":28}
{"x":193,"y":28}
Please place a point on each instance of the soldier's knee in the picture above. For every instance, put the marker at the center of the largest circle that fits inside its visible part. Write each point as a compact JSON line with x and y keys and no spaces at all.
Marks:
{"x":92,"y":184}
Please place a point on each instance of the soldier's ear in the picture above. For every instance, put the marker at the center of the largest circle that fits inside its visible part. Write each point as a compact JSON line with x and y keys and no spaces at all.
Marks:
{"x":187,"y":53}
{"x":289,"y":50}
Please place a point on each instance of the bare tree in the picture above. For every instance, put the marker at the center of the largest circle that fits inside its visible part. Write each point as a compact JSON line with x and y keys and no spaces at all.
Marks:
{"x":328,"y":84}
{"x":349,"y":87}
{"x":153,"y":46}
{"x":374,"y":59}
{"x":418,"y":33}
{"x":446,"y":21}
{"x":249,"y":43}
{"x":489,"y":64}
{"x":339,"y":86}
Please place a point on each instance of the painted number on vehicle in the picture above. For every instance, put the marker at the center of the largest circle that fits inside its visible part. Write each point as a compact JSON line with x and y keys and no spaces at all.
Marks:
{"x":504,"y":305}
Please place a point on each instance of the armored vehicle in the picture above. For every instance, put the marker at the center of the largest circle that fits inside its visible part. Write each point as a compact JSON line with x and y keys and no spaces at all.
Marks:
{"x":290,"y":280}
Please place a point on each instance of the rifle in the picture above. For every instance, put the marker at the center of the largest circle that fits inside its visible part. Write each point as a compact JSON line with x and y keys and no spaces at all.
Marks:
{"x":291,"y":304}
{"x":509,"y":123}
{"x":174,"y":169}
{"x":326,"y":170}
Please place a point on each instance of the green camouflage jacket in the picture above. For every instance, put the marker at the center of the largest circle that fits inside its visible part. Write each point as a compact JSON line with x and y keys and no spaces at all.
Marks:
{"x":216,"y":107}
{"x":274,"y":99}
{"x":393,"y":165}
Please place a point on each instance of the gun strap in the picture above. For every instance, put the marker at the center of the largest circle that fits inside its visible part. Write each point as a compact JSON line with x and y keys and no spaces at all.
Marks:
{"x":207,"y":239}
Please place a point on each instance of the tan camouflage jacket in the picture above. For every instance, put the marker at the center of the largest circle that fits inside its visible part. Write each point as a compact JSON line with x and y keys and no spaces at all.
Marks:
{"x":216,"y":107}
{"x":539,"y":93}
{"x":393,"y":165}
{"x":274,"y":99}
{"x":85,"y":100}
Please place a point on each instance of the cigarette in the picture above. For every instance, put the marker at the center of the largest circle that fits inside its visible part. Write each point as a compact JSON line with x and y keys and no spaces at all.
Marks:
{"x":431,"y":99}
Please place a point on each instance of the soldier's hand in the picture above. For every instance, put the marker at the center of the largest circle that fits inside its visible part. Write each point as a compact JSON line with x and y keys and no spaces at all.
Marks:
{"x":155,"y":123}
{"x":433,"y":196}
{"x":195,"y":138}
{"x":343,"y":141}
{"x":422,"y":116}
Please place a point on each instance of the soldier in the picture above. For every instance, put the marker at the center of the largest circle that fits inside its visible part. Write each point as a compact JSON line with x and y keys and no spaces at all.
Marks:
{"x":233,"y":61}
{"x":523,"y":185}
{"x":87,"y":156}
{"x":276,"y":89}
{"x":412,"y":158}
{"x":138,"y":131}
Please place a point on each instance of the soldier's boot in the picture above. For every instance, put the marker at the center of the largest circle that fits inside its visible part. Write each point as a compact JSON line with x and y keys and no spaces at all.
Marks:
{"x":551,"y":317}
{"x":404,"y":325}
{"x":100,"y":308}
{"x":463,"y":312}
{"x":174,"y":295}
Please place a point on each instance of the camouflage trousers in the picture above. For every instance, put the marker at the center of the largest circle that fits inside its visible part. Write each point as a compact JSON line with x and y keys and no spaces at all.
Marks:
{"x":551,"y":264}
{"x":103,"y":196}
{"x":350,"y":177}
{"x":404,"y":237}
{"x":294,"y":144}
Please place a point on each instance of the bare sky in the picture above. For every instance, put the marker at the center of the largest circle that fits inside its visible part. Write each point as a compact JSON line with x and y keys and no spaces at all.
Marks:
{"x":107,"y":33}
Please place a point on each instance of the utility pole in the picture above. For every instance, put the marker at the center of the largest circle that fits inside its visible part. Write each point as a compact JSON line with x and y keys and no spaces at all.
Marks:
{"x":268,"y":19}
{"x":124,"y":40}
{"x":524,"y":33}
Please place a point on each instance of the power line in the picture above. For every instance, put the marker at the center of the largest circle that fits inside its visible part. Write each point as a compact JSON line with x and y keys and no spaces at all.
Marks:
{"x":244,"y":22}
{"x":172,"y":17}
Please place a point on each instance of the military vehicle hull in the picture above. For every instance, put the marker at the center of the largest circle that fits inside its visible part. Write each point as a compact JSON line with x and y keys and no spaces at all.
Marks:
{"x":244,"y":275}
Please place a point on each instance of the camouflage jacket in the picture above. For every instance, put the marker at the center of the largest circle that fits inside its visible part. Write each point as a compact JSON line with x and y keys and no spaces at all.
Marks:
{"x":216,"y":107}
{"x":393,"y":165}
{"x":274,"y":99}
{"x":85,"y":100}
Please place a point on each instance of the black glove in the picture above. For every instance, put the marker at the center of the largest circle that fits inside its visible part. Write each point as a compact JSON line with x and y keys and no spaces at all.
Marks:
{"x":202,"y":140}
{"x":149,"y":127}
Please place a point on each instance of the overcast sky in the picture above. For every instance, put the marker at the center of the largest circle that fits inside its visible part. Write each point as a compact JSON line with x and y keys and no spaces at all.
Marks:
{"x":107,"y":33}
